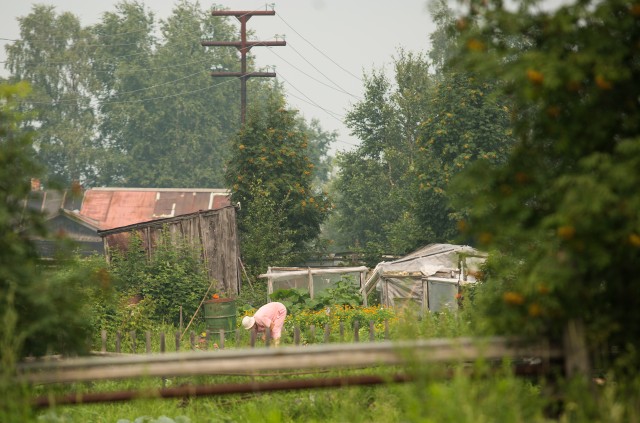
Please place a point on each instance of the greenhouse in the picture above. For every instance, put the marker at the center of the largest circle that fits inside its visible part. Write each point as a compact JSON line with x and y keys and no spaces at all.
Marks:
{"x":429,"y":277}
{"x":315,"y":280}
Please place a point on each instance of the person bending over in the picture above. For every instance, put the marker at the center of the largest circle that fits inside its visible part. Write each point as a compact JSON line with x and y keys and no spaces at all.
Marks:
{"x":270,"y":315}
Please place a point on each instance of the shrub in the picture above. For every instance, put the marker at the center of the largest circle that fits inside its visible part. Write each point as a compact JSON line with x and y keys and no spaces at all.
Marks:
{"x":173,"y":277}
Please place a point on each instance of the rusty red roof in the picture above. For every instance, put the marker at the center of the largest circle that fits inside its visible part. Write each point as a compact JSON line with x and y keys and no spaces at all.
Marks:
{"x":116,"y":207}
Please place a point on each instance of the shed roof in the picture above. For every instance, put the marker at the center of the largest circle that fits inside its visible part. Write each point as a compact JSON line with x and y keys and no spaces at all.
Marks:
{"x":117,"y":207}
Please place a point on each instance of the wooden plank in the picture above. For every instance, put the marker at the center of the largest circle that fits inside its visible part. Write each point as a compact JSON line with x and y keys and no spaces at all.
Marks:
{"x":132,"y":334}
{"x":325,"y":356}
{"x":296,"y":335}
{"x":575,"y":350}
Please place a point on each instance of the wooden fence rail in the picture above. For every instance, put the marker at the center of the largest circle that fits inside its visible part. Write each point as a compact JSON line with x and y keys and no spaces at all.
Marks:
{"x":532,"y":358}
{"x":252,"y":361}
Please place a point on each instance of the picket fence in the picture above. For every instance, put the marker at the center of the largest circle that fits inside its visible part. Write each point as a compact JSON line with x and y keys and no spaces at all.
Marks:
{"x":129,"y":342}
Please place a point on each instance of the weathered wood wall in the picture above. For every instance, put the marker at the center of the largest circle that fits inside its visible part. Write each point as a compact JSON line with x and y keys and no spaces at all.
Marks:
{"x":214,"y":230}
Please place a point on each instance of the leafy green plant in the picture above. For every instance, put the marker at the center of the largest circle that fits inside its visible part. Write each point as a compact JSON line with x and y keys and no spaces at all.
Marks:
{"x":173,"y":278}
{"x":294,"y":299}
{"x":342,"y":292}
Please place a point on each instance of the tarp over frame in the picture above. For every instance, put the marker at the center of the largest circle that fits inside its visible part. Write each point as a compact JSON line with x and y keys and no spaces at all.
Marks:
{"x":455,"y":263}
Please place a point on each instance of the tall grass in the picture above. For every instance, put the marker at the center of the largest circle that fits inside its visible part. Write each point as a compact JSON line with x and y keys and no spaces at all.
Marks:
{"x":456,"y":393}
{"x":14,"y":405}
{"x":498,"y":397}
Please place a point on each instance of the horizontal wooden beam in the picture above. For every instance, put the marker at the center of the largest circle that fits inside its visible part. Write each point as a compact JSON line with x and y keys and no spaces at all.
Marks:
{"x":326,"y":356}
{"x":220,"y":389}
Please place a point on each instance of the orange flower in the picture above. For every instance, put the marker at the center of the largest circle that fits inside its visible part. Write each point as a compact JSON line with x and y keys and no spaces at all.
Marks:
{"x":602,"y":83}
{"x":462,"y":225}
{"x":535,"y":77}
{"x":215,"y":296}
{"x":535,"y":310}
{"x":475,"y":45}
{"x":485,"y":238}
{"x":513,"y":298}
{"x":522,"y":178}
{"x":553,"y":111}
{"x":573,"y":86}
{"x":566,"y":232}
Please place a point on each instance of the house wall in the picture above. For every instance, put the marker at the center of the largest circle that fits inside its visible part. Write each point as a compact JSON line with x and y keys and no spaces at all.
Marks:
{"x":85,"y":240}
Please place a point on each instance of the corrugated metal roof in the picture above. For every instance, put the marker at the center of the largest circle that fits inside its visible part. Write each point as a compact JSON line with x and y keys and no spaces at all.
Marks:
{"x":116,"y":207}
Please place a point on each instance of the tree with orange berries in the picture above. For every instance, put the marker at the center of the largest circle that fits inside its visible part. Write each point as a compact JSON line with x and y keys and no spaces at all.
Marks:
{"x":270,"y":175}
{"x":564,"y":211}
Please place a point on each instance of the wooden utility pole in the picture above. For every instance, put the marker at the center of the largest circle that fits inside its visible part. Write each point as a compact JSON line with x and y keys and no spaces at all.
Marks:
{"x":243,"y":46}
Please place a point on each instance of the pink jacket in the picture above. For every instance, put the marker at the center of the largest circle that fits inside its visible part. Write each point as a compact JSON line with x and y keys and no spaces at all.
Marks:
{"x":271,"y":313}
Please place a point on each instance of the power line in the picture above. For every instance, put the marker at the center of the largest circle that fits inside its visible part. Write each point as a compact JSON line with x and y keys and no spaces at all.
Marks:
{"x":243,"y":15}
{"x":334,"y":115}
{"x":164,"y":83}
{"x":308,"y":100}
{"x":55,"y":40}
{"x":320,"y":72}
{"x":103,"y":102}
{"x":167,"y":96}
{"x":339,"y":89}
{"x":107,"y":63}
{"x":312,"y":103}
{"x":338,"y":117}
{"x":114,"y":62}
{"x":134,"y":71}
{"x":318,"y":50}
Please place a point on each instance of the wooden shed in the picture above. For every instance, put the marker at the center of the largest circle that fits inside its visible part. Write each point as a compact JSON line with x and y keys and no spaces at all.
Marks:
{"x":214,"y":230}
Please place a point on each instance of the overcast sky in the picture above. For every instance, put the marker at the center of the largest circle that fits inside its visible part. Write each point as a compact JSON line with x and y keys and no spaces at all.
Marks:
{"x":330,"y":43}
